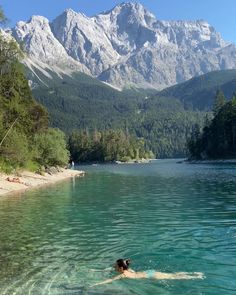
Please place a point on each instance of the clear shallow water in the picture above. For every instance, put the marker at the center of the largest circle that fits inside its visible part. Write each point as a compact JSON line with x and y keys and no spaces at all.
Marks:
{"x":165,"y":216}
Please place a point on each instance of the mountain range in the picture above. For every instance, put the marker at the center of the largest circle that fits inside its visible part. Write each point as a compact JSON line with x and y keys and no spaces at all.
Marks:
{"x":125,"y":47}
{"x":73,"y":61}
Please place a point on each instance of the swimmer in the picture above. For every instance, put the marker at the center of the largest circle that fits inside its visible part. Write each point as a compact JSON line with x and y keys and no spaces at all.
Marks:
{"x":122,"y":267}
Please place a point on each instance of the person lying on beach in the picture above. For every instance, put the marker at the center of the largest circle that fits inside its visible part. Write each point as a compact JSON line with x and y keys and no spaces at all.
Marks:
{"x":122,"y":266}
{"x":14,"y":179}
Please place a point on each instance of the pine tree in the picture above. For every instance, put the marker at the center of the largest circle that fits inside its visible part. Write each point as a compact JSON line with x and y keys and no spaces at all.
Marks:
{"x":219,"y":102}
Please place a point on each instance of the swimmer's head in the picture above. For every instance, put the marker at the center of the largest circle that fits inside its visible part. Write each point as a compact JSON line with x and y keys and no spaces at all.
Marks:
{"x":122,"y":264}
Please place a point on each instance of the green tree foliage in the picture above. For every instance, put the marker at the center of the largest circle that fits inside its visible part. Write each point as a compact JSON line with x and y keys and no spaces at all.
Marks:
{"x":166,"y":125}
{"x":16,"y":104}
{"x":22,"y":120}
{"x":218,"y":139}
{"x":107,"y":146}
{"x":51,"y":148}
{"x":16,"y":149}
{"x":219,"y":102}
{"x":193,"y":146}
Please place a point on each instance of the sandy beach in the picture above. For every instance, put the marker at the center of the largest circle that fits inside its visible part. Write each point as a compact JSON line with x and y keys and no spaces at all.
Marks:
{"x":27,"y":180}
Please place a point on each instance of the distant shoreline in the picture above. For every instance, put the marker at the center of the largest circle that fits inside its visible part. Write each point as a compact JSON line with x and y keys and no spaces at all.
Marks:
{"x":140,"y":161}
{"x":10,"y":184}
{"x":220,"y":161}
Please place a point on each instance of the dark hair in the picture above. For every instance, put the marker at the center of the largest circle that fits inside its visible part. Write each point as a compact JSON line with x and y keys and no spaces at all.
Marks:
{"x":123,"y":263}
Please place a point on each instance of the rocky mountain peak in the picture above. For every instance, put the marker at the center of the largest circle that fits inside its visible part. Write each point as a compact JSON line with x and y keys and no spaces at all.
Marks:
{"x":39,"y":20}
{"x":127,"y":45}
{"x":69,"y":14}
{"x":69,"y":11}
{"x":36,"y":22}
{"x":43,"y":49}
{"x":129,"y":6}
{"x":132,"y":13}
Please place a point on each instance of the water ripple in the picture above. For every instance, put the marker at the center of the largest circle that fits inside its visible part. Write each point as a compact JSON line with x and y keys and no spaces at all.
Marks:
{"x":165,"y":216}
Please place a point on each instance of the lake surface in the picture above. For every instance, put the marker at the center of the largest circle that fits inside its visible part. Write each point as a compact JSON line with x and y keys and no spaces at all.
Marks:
{"x":165,"y":216}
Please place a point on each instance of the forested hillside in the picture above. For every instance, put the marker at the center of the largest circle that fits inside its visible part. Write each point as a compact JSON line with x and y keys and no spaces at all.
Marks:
{"x":79,"y":102}
{"x":166,"y":125}
{"x":198,"y":93}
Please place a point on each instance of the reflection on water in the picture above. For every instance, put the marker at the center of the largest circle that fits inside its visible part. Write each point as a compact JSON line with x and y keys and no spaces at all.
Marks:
{"x":165,"y":216}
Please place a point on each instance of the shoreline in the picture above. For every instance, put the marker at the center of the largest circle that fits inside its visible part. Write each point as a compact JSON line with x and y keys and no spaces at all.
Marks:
{"x":220,"y":161}
{"x":10,"y":184}
{"x":140,"y":161}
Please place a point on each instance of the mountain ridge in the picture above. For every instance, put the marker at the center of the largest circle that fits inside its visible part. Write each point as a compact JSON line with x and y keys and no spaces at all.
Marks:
{"x":198,"y":93}
{"x":126,"y":46}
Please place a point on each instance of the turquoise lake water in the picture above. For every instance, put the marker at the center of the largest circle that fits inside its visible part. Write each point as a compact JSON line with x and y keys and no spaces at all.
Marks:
{"x":165,"y":216}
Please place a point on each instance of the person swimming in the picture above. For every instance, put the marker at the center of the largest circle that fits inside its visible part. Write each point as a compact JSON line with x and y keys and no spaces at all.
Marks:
{"x":122,"y":267}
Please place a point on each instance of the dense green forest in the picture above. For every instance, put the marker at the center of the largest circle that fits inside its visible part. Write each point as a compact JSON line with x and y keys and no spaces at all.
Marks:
{"x":80,"y":102}
{"x":107,"y":146}
{"x":217,"y":140}
{"x":198,"y":93}
{"x":25,"y":137}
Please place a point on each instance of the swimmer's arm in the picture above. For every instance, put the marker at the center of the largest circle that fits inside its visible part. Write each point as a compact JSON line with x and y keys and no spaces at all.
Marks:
{"x":108,"y":280}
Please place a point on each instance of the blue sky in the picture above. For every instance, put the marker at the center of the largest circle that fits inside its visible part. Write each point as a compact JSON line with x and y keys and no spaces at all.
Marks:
{"x":219,"y":13}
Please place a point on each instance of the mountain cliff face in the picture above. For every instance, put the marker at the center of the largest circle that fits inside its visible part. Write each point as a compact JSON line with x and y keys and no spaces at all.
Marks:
{"x":125,"y":46}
